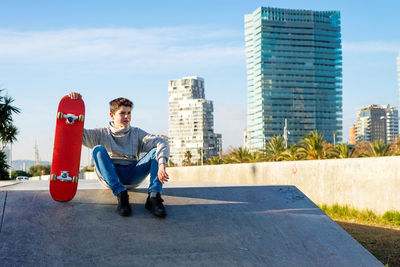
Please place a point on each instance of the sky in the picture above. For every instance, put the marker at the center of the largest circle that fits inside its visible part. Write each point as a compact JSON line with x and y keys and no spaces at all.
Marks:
{"x":107,"y":49}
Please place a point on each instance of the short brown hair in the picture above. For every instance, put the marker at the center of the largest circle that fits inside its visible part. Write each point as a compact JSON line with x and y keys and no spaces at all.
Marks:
{"x":118,"y":102}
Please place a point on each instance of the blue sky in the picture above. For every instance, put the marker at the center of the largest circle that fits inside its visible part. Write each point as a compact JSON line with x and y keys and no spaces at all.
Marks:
{"x":107,"y":49}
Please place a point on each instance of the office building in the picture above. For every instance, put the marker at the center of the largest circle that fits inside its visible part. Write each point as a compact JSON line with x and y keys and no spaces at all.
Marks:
{"x":294,"y":72}
{"x":191,"y":121}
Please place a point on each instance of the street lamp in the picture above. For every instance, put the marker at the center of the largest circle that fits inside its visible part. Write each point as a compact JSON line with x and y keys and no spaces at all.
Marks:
{"x":334,"y":138}
{"x":285,"y":134}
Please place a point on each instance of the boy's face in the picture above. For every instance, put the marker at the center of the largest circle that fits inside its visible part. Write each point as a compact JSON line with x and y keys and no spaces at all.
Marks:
{"x":122,"y":117}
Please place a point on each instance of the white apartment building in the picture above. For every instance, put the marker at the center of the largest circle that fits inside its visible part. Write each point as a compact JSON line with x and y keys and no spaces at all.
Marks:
{"x":392,"y":123}
{"x":191,"y":121}
{"x":377,"y":122}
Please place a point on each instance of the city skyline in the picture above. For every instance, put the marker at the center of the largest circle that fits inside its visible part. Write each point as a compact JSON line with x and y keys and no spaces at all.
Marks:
{"x":134,"y":49}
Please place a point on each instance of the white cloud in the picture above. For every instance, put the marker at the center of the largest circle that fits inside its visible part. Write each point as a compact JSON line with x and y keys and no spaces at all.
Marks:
{"x":147,"y":48}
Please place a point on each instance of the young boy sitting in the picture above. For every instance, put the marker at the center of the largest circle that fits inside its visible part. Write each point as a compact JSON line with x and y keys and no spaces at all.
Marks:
{"x":116,"y":149}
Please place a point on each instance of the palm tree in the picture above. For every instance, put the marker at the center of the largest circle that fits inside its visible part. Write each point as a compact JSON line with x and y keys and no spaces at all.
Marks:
{"x":378,"y":148}
{"x":8,"y":131}
{"x":256,"y":156}
{"x":239,"y":155}
{"x":3,"y":167}
{"x":313,"y":147}
{"x":291,"y":153}
{"x":344,"y":151}
{"x":188,"y":157}
{"x":275,"y":147}
{"x":200,"y":155}
{"x":214,"y":161}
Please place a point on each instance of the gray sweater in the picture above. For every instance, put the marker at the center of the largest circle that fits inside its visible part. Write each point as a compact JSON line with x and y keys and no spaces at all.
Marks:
{"x":125,"y":144}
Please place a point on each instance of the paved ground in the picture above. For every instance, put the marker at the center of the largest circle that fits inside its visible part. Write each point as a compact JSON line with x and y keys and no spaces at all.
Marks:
{"x":207,"y":225}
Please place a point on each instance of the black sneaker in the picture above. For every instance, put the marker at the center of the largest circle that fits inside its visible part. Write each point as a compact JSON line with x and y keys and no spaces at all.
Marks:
{"x":124,"y":209}
{"x":154,"y":204}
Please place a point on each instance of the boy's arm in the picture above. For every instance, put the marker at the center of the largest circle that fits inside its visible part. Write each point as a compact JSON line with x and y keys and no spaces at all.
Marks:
{"x":91,"y":137}
{"x":149,"y":141}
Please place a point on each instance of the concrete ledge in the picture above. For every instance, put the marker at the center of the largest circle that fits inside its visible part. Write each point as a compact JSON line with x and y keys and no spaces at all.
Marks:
{"x":205,"y":226}
{"x":364,"y":183}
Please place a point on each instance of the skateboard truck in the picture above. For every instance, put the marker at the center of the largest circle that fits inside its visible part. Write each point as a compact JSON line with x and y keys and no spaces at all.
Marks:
{"x":70,"y":118}
{"x":64,"y":177}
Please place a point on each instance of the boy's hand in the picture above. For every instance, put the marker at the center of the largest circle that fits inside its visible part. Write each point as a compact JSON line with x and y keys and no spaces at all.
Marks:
{"x":74,"y":95}
{"x":162,"y":173}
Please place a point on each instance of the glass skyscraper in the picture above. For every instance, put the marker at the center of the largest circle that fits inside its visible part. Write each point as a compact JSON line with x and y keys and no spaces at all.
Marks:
{"x":294,"y":74}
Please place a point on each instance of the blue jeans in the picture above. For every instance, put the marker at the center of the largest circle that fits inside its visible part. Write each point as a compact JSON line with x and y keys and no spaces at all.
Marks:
{"x":116,"y":176}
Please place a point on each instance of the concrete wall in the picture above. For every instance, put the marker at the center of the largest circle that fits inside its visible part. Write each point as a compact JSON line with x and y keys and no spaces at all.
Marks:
{"x":363,"y":183}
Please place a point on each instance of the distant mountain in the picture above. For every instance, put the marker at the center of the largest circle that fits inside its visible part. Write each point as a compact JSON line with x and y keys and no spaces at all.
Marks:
{"x":24,"y":165}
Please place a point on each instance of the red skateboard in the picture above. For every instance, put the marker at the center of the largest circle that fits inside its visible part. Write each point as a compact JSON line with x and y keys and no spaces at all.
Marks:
{"x":67,"y":149}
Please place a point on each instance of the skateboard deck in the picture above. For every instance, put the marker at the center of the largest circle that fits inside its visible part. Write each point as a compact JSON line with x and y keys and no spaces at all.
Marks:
{"x":67,"y":149}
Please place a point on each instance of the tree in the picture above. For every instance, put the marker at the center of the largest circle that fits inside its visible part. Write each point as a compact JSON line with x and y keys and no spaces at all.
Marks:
{"x":291,"y":153}
{"x":238,"y":155}
{"x":200,"y":152}
{"x":360,"y":150}
{"x":170,"y":163}
{"x":214,"y":161}
{"x":313,"y":147}
{"x":38,"y":170}
{"x":329,"y":151}
{"x":17,"y":173}
{"x":188,"y":157}
{"x":8,"y":132}
{"x":257,"y":156}
{"x":275,"y":147}
{"x":3,"y":167}
{"x":395,"y":147}
{"x":344,"y":151}
{"x":378,"y":148}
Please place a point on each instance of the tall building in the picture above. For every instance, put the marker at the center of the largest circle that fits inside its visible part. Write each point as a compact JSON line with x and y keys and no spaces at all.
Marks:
{"x":294,"y":72}
{"x":371,"y":125}
{"x":191,"y":121}
{"x":392,"y":123}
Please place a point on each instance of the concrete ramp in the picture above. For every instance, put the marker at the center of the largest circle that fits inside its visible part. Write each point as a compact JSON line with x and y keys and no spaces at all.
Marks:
{"x":205,"y":226}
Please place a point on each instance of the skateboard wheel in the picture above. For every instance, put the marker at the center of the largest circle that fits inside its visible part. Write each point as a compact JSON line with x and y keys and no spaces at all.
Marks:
{"x":81,"y":118}
{"x":74,"y":179}
{"x":52,"y":177}
{"x":60,"y":115}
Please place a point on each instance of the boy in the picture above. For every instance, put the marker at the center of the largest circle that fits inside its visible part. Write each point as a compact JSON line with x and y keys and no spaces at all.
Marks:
{"x":115,"y":155}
